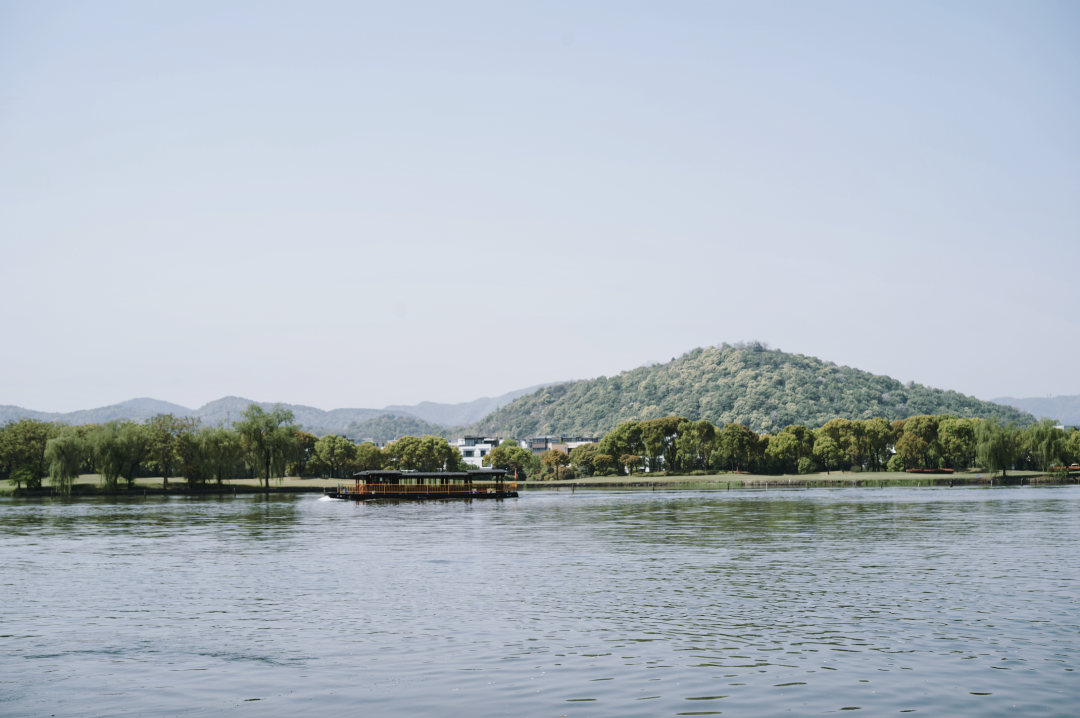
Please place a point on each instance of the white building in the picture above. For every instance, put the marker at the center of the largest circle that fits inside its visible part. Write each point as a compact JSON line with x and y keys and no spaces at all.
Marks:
{"x":474,"y":448}
{"x":565,"y":444}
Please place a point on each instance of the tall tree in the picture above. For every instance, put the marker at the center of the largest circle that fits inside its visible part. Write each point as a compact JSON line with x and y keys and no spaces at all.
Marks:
{"x":269,"y":437}
{"x":957,"y":440}
{"x":368,"y":457}
{"x":65,"y":454}
{"x":109,"y":451}
{"x":164,"y":431}
{"x":784,"y":449}
{"x":24,"y":449}
{"x":221,"y":451}
{"x":509,"y":455}
{"x":827,"y":450}
{"x":555,"y":459}
{"x":735,"y":444}
{"x":997,"y":445}
{"x":337,"y":452}
{"x":136,"y":447}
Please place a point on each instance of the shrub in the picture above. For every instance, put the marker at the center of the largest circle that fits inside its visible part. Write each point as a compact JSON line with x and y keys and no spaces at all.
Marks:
{"x":896,"y":463}
{"x":807,"y":465}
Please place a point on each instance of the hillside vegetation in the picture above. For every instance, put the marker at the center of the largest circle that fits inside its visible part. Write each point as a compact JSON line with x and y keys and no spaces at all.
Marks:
{"x":388,"y":427}
{"x":752,"y":385}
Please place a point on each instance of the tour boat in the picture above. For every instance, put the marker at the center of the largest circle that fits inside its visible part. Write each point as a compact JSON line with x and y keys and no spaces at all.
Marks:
{"x":488,"y":484}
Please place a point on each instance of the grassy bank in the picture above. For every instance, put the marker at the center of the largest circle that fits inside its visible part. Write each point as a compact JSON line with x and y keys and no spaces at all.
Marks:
{"x":836,"y":478}
{"x":91,"y":484}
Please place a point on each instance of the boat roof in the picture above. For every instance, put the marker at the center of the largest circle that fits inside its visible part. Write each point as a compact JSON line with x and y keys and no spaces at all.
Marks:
{"x":432,"y":474}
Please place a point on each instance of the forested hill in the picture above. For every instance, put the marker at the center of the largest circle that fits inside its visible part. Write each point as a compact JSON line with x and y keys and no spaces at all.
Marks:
{"x":760,"y":388}
{"x":388,"y":427}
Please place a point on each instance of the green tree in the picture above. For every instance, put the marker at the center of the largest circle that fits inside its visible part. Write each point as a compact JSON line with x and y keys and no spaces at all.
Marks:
{"x":24,"y":451}
{"x":512,"y":457}
{"x":65,"y":454}
{"x":914,"y":450}
{"x":164,"y":432}
{"x":305,"y":452}
{"x":659,"y":437}
{"x":996,"y":445}
{"x":337,"y":452}
{"x":581,"y":458}
{"x":924,"y":448}
{"x":879,"y":438}
{"x":221,"y":452}
{"x":695,"y":443}
{"x":555,"y":459}
{"x":957,"y":440}
{"x":136,"y":447}
{"x":1047,"y":443}
{"x":603,"y":463}
{"x":269,"y":438}
{"x":827,"y":451}
{"x":784,"y":449}
{"x":110,"y":451}
{"x":368,"y":457}
{"x":624,"y":440}
{"x":631,"y":462}
{"x":735,"y":444}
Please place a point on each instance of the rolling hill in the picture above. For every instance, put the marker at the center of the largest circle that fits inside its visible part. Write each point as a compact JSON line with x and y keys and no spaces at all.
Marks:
{"x":752,"y":385}
{"x":224,"y":410}
{"x":1065,"y":409}
{"x":463,"y":413}
{"x":388,"y":427}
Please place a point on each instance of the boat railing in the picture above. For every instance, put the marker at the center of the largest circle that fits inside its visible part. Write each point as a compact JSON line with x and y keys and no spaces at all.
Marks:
{"x":429,"y":488}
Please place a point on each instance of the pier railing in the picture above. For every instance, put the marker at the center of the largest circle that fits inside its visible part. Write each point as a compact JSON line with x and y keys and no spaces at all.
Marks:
{"x":405,"y":489}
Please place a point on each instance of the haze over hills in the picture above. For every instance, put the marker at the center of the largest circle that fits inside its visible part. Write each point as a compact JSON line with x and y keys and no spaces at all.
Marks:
{"x":750,"y":385}
{"x":464,"y":413}
{"x":387,"y":427}
{"x":1066,"y":409}
{"x":224,"y":410}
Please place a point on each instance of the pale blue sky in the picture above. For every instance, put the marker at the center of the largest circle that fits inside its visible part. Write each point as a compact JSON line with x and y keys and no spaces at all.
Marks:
{"x":340,"y":204}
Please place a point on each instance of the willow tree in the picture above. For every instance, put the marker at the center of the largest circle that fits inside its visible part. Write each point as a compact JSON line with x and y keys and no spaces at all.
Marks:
{"x":269,"y":437}
{"x":996,"y":445}
{"x":110,"y":451}
{"x":65,"y":455}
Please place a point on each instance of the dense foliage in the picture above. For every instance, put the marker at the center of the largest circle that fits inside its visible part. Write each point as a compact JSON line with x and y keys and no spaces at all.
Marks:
{"x":390,"y":426}
{"x":759,"y":388}
{"x":261,"y":443}
{"x":676,"y":444}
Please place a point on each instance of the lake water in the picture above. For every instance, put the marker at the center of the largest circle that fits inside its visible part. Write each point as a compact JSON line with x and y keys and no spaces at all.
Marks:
{"x":597,"y":603}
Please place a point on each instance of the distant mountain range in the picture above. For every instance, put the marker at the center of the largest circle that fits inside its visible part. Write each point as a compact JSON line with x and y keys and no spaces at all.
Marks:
{"x":1065,"y":409}
{"x":751,"y":385}
{"x":464,"y":413}
{"x":426,"y":417}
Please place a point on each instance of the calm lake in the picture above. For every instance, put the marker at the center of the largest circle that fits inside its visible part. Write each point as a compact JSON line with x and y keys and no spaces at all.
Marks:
{"x":598,"y":603}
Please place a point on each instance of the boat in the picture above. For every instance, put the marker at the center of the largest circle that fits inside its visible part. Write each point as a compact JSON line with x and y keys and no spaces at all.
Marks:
{"x":416,"y":485}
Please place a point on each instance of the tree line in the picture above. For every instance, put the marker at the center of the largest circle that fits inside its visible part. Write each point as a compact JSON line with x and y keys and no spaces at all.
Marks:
{"x":676,"y":444}
{"x":262,"y":444}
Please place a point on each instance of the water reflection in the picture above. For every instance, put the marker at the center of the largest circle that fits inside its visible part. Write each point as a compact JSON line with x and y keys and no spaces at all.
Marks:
{"x":591,"y":604}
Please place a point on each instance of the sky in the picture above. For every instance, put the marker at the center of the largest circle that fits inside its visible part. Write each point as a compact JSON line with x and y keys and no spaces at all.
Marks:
{"x":354,"y":205}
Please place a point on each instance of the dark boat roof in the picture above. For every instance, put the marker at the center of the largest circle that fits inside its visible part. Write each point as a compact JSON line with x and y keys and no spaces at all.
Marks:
{"x":433,"y":474}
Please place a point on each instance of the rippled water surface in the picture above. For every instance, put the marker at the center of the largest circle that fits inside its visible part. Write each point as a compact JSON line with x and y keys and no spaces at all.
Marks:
{"x":601,"y":603}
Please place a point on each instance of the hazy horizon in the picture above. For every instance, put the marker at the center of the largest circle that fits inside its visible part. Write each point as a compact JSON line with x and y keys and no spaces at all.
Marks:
{"x":350,"y":205}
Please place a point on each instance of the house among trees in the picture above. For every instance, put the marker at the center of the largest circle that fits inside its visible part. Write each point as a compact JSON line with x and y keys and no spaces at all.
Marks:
{"x":474,"y":448}
{"x":565,"y":444}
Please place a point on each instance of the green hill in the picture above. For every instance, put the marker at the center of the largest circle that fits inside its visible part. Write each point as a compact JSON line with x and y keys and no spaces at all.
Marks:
{"x":388,"y":427}
{"x":752,"y":385}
